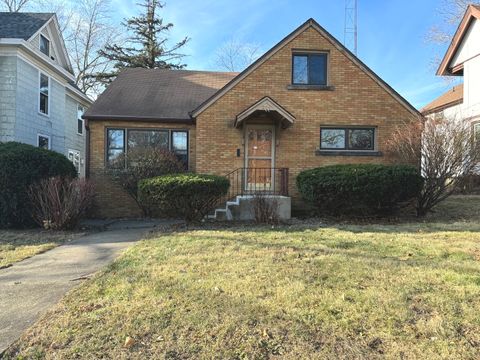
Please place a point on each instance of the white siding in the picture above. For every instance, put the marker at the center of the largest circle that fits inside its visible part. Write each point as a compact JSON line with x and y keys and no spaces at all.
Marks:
{"x":8,"y":85}
{"x":470,"y":45}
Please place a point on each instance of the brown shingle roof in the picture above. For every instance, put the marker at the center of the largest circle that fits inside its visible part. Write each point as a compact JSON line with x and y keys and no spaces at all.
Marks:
{"x":452,"y":97}
{"x":156,"y":94}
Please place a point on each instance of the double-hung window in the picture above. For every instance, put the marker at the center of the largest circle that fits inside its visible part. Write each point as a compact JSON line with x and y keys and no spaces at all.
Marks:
{"x":121,"y":142}
{"x":333,"y":138}
{"x":309,"y":69}
{"x":44,"y":93}
{"x":44,"y":45}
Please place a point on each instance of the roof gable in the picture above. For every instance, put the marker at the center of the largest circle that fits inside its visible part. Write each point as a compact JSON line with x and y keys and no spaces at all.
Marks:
{"x":22,"y":25}
{"x":311,"y":23}
{"x":472,"y":14}
{"x":451,"y":98}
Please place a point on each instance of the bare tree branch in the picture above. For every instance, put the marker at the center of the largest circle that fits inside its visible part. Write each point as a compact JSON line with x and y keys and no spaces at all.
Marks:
{"x":236,"y":56}
{"x":13,"y":5}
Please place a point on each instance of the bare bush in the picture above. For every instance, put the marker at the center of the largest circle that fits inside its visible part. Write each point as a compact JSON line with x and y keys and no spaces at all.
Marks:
{"x":59,"y":203}
{"x":446,"y":152}
{"x":265,"y":209}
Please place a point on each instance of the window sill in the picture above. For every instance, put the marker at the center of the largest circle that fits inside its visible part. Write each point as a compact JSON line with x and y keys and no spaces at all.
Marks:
{"x":311,"y":87}
{"x":347,"y":153}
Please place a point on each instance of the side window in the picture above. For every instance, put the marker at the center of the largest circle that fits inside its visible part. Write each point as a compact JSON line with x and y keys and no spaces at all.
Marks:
{"x":180,"y":145}
{"x":43,"y":141}
{"x":80,"y":124}
{"x":115,"y":147}
{"x":44,"y":45}
{"x":44,"y":94}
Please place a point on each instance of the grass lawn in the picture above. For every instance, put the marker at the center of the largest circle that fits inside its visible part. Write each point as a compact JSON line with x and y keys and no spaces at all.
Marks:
{"x":16,"y":245}
{"x":403,"y":291}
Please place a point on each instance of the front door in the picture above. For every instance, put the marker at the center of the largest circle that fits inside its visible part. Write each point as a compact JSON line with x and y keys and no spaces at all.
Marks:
{"x":259,"y":157}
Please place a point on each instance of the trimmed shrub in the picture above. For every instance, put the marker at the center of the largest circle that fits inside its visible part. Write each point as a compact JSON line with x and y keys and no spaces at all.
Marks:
{"x":189,"y":196}
{"x":143,"y":163}
{"x":359,"y":189}
{"x":59,"y":203}
{"x":22,"y":165}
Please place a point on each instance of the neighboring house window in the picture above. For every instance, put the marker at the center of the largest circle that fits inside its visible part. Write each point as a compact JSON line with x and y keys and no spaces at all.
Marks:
{"x":347,"y":138}
{"x":121,"y":141}
{"x":309,"y":69}
{"x":80,"y":120}
{"x":74,"y":157}
{"x":44,"y":45}
{"x":44,"y":88}
{"x":43,"y":141}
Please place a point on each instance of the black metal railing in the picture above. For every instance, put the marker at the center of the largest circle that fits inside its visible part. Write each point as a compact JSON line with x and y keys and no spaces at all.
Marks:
{"x":251,"y":181}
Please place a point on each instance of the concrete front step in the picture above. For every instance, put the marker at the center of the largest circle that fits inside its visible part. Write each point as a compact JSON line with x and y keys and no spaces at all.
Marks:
{"x":242,"y":208}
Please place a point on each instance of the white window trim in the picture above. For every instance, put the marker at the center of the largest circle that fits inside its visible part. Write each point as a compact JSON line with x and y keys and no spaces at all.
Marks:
{"x":83,"y":121}
{"x":40,"y":73}
{"x":49,"y":45}
{"x":45,"y":136}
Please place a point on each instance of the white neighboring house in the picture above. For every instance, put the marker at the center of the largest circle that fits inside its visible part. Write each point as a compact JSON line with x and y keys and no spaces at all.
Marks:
{"x":39,"y":101}
{"x":462,"y":59}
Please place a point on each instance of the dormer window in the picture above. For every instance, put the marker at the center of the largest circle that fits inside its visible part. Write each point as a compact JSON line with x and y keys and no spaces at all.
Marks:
{"x":309,"y":69}
{"x":44,"y":45}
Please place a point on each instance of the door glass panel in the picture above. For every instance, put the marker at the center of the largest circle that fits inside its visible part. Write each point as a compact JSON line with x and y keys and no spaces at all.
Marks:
{"x":259,"y":174}
{"x":260,"y":143}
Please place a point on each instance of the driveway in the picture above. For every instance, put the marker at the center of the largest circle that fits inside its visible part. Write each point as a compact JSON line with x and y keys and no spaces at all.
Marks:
{"x":30,"y":287}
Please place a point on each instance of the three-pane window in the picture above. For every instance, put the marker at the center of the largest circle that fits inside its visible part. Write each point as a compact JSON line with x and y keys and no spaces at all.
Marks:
{"x":44,"y":88}
{"x":347,"y":138}
{"x":124,"y":141}
{"x":44,"y":45}
{"x":309,"y":69}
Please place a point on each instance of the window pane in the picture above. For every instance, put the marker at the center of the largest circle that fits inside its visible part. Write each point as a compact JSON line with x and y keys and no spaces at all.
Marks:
{"x":332,"y":139}
{"x":43,"y":104}
{"x":179,"y":140}
{"x":80,"y":126}
{"x":147,"y":138}
{"x":361,"y":139}
{"x":44,"y":45}
{"x":300,"y":69}
{"x":318,"y":69}
{"x":44,"y":84}
{"x":115,"y":158}
{"x":43,"y":142}
{"x":115,"y":139}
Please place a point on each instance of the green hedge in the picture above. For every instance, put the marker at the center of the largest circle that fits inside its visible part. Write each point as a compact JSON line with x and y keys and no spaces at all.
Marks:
{"x":22,"y":165}
{"x":189,"y":196}
{"x":359,"y":189}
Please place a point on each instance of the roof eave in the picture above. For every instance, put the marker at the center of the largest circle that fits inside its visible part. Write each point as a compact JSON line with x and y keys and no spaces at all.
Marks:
{"x":471,"y":13}
{"x":137,"y":118}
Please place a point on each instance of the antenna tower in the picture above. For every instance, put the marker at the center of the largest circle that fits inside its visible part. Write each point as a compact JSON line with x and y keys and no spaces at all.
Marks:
{"x":350,"y":34}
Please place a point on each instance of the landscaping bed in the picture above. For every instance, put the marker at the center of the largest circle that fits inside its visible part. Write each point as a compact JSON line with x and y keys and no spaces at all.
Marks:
{"x":407,"y":290}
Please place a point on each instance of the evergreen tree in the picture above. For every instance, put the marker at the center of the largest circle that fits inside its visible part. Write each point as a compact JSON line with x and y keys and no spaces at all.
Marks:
{"x":147,"y":47}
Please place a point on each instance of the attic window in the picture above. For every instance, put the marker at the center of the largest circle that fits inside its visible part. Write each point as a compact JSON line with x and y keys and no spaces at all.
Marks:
{"x":44,"y":45}
{"x":309,"y":69}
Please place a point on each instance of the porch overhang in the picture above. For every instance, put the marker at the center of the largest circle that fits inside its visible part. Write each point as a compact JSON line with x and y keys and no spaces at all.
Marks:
{"x":266,"y":105}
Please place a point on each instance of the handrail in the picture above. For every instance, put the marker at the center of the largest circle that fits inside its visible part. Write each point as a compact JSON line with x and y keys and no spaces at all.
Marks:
{"x":252,"y":181}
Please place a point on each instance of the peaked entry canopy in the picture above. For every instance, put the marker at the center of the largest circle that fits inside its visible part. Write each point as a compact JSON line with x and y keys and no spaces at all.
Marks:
{"x":267,"y":105}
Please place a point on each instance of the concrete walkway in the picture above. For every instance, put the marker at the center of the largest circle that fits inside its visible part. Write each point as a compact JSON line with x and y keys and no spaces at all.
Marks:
{"x":30,"y":287}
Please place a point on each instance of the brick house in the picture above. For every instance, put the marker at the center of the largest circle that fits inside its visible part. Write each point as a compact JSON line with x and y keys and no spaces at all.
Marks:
{"x":307,"y":102}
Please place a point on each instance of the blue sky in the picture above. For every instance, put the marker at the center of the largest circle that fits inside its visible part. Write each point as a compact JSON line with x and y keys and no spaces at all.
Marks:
{"x":391,"y":33}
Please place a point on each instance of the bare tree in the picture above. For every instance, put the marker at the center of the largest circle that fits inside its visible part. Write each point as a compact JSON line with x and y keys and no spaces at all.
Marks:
{"x":90,"y":30}
{"x":444,"y":149}
{"x":13,"y":5}
{"x":236,"y":56}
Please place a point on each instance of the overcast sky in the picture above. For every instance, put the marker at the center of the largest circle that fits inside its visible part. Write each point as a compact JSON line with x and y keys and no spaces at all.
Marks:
{"x":391,"y":33}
